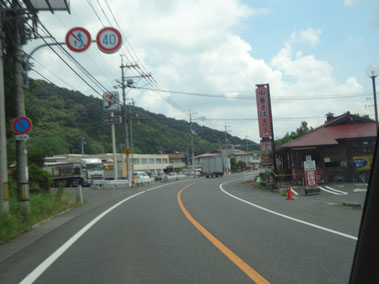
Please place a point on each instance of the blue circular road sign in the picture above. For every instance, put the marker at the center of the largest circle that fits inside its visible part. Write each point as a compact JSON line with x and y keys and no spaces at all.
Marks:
{"x":22,"y":125}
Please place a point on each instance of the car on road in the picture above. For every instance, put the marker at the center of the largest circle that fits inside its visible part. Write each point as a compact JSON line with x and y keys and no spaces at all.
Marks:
{"x":161,"y":177}
{"x":142,"y":178}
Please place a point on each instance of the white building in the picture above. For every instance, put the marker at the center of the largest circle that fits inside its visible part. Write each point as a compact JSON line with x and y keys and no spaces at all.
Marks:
{"x":150,"y":163}
{"x":251,"y":159}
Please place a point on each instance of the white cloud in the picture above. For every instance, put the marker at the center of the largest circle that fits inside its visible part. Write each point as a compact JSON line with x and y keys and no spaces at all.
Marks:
{"x":190,"y":46}
{"x":350,"y":2}
{"x":310,"y":36}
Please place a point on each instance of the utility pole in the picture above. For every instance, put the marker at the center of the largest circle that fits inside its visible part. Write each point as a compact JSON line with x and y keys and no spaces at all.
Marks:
{"x":123,"y":86}
{"x":21,"y":151}
{"x":4,"y":192}
{"x":226,"y":139}
{"x":114,"y":149}
{"x":131,"y":134}
{"x":83,"y":139}
{"x":193,"y":152}
{"x":247,"y":147}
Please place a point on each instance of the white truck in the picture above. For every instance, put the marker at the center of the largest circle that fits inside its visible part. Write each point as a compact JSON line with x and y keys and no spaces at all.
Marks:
{"x":75,"y":172}
{"x":215,"y":166}
{"x":91,"y":169}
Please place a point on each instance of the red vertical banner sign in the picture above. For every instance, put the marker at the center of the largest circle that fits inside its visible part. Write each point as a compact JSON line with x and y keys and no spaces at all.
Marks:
{"x":263,"y":112}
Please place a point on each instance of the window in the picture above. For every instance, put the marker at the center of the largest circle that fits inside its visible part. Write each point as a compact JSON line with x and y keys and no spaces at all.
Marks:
{"x":158,"y":161}
{"x":144,"y":161}
{"x":165,"y":161}
{"x":151,"y":161}
{"x":136,"y":161}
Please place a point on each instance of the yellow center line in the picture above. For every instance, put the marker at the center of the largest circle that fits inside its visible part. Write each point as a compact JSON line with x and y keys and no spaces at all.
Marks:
{"x":250,"y":272}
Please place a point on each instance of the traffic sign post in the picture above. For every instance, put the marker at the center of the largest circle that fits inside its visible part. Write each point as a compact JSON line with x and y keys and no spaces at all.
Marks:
{"x":127,"y":151}
{"x":78,"y":39}
{"x":22,"y":125}
{"x":109,"y":40}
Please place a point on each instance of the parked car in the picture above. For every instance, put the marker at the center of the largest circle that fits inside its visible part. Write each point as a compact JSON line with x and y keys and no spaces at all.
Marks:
{"x":161,"y":177}
{"x":142,"y":178}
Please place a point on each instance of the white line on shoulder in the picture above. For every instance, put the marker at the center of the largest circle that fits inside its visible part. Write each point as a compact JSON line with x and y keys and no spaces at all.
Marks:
{"x":286,"y":216}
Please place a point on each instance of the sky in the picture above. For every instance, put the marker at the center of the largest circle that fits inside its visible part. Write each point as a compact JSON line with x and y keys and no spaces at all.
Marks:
{"x":314,"y":55}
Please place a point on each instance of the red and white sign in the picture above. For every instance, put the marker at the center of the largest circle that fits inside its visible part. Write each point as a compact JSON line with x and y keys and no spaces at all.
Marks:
{"x":310,"y":173}
{"x":22,"y":125}
{"x":78,"y":39}
{"x":263,"y":112}
{"x":109,"y":40}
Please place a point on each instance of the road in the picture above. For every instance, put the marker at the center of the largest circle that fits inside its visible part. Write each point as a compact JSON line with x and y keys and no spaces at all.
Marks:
{"x":198,"y":231}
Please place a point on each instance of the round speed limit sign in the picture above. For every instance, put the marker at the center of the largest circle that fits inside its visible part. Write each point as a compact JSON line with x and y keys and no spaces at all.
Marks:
{"x":109,"y":40}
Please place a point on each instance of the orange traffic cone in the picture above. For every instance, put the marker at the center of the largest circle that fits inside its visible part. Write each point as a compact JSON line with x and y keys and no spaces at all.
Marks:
{"x":289,"y":194}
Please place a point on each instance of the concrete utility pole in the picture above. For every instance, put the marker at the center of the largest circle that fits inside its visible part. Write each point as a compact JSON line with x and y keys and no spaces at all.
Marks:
{"x":123,"y":86}
{"x":4,"y":192}
{"x":131,"y":135}
{"x":83,"y":142}
{"x":247,"y":146}
{"x":226,"y":139}
{"x":114,"y":149}
{"x":21,"y":151}
{"x":193,"y":152}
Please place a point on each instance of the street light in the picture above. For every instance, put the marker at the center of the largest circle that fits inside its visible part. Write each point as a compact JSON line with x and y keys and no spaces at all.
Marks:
{"x":372,"y":72}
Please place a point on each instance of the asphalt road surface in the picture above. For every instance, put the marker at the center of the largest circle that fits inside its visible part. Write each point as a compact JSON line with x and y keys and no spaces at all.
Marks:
{"x":199,"y":231}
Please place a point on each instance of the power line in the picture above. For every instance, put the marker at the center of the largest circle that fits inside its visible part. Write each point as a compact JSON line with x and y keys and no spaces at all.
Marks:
{"x":221,"y":96}
{"x":94,"y":10}
{"x":255,"y":118}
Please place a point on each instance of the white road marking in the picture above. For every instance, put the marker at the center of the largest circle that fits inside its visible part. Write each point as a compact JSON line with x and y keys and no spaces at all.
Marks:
{"x":53,"y":257}
{"x":285,"y":216}
{"x":333,"y":189}
{"x":332,"y":192}
{"x":360,"y":190}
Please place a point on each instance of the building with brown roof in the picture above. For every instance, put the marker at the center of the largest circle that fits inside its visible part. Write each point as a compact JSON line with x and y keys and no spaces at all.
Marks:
{"x":335,"y":146}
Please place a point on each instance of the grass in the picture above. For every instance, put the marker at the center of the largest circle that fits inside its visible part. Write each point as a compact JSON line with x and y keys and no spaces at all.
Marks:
{"x":42,"y":207}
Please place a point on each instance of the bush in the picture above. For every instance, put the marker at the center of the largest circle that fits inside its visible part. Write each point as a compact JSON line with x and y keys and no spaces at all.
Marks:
{"x":39,"y":179}
{"x":42,"y":206}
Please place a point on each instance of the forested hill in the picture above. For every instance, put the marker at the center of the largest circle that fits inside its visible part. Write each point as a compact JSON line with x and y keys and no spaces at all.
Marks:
{"x":61,"y":117}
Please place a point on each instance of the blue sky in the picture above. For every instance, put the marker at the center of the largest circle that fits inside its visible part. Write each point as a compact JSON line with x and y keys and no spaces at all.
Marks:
{"x":225,"y":47}
{"x":349,"y":40}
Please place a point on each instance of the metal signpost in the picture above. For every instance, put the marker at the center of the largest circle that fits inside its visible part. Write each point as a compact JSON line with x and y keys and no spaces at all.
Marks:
{"x":22,"y":125}
{"x":109,"y":40}
{"x":78,"y":39}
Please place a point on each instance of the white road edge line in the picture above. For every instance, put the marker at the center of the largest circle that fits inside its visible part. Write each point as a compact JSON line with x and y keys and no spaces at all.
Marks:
{"x":32,"y":276}
{"x":336,"y":190}
{"x":332,"y":192}
{"x":285,"y":216}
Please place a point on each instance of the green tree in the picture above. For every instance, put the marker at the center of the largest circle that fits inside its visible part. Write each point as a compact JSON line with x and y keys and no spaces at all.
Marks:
{"x":39,"y":179}
{"x":241,"y":166}
{"x":36,"y":156}
{"x":300,"y":131}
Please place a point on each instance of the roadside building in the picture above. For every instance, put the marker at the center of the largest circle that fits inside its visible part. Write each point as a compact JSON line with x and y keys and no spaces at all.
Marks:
{"x":252,"y":160}
{"x":151,"y":163}
{"x":175,"y":162}
{"x":342,"y":149}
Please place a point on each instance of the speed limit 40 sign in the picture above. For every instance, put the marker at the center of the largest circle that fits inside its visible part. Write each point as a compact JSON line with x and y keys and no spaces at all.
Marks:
{"x":109,"y":40}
